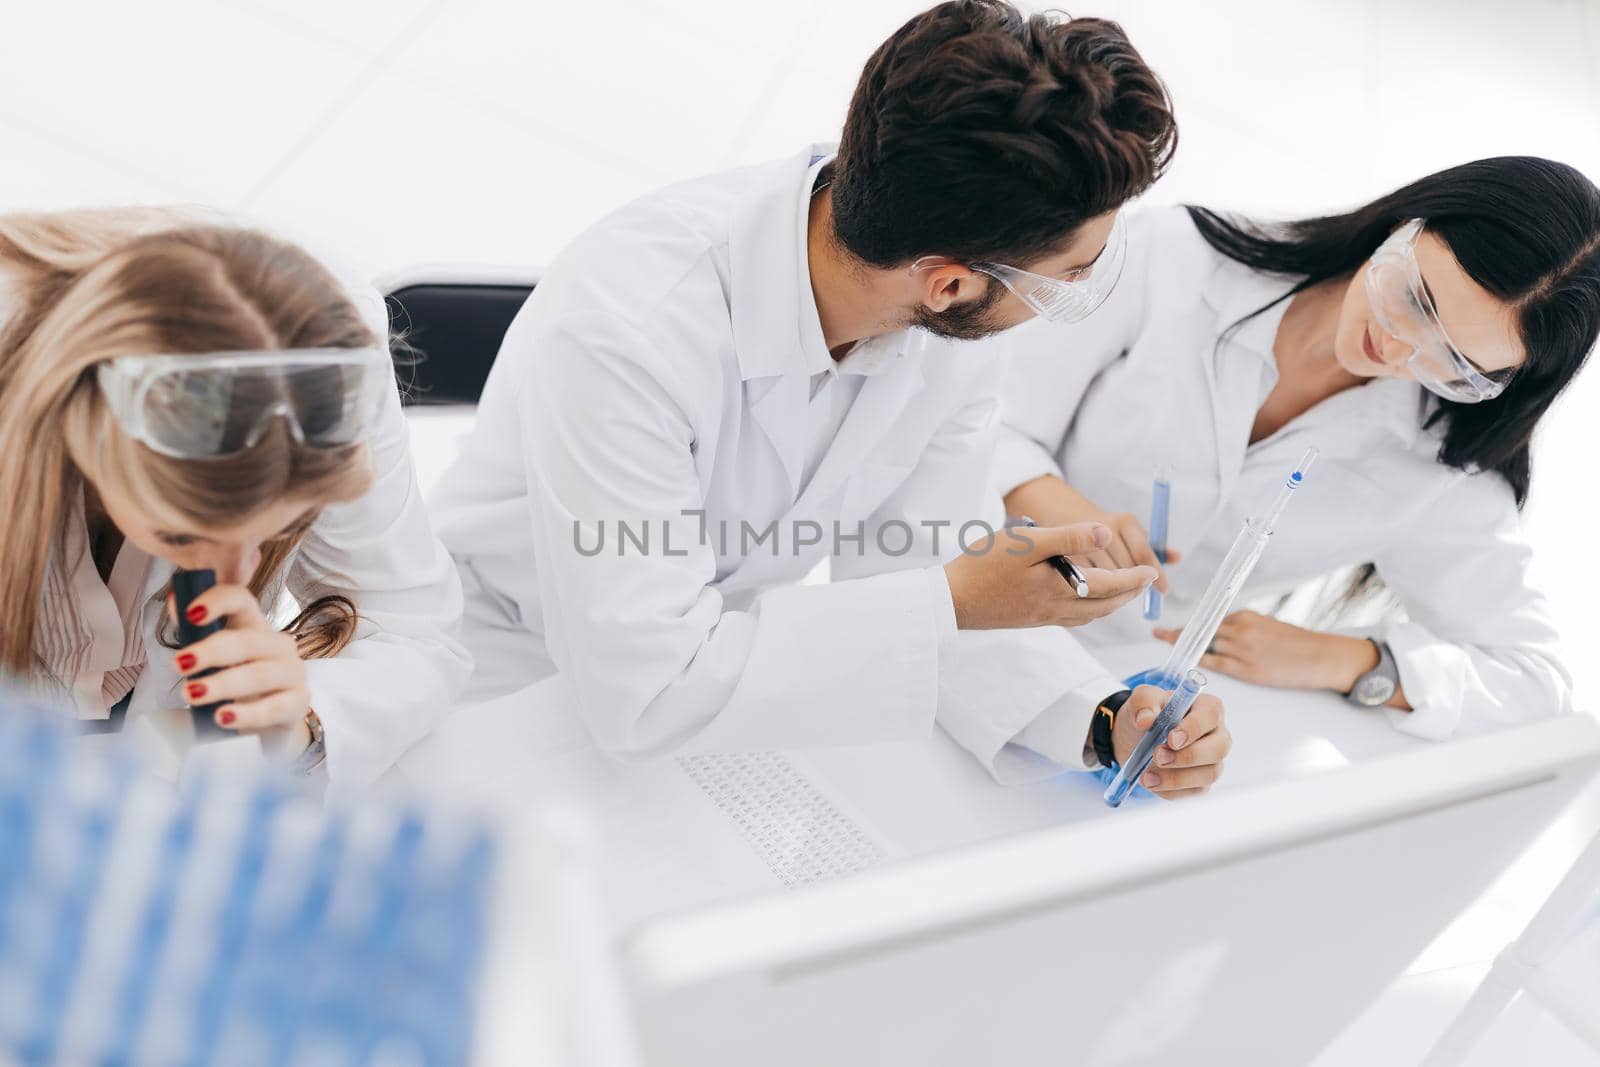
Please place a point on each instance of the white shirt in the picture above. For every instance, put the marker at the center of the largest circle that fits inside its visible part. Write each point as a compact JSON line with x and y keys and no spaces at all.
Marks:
{"x":1147,"y":380}
{"x":666,"y":364}
{"x":376,"y":698}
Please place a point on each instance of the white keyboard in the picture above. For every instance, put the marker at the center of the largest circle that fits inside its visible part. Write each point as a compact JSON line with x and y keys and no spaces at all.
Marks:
{"x":796,"y":829}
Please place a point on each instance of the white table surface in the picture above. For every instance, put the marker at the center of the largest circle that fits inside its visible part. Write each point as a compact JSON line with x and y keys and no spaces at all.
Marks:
{"x":668,"y":847}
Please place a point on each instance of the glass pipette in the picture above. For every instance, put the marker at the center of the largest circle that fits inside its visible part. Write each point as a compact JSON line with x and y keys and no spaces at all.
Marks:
{"x":1230,"y":578}
{"x":1178,"y":673}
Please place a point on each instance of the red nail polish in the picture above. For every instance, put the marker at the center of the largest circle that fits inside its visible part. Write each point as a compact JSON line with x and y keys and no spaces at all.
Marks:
{"x":196,"y":614}
{"x":196,"y":691}
{"x":186,"y":662}
{"x":225,"y":718}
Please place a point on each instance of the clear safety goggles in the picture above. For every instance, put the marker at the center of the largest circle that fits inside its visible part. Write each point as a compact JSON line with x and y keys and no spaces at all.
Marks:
{"x":1405,"y":310}
{"x":203,"y":406}
{"x":1075,"y":297}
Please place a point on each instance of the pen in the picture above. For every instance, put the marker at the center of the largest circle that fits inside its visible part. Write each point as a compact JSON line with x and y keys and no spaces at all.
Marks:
{"x":1062,"y":564}
{"x":1160,"y":499}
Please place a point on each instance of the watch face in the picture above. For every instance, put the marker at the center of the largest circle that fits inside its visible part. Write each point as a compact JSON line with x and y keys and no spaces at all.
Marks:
{"x":1374,"y":689}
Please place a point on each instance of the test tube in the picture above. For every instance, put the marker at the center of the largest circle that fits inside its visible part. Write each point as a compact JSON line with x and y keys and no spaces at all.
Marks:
{"x":1172,"y":713}
{"x":1160,"y":502}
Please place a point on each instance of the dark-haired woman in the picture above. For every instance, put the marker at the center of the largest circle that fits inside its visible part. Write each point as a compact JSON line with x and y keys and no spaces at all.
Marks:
{"x":1416,"y":341}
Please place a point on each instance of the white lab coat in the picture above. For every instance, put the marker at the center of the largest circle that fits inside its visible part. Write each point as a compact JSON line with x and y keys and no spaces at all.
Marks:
{"x":663,"y":365}
{"x":1146,"y":380}
{"x":406,"y":666}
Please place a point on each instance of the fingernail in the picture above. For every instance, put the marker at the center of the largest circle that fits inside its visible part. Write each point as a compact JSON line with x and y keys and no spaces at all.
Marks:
{"x":1146,"y":717}
{"x":1102,"y":537}
{"x":186,"y":661}
{"x":225,"y":718}
{"x":1164,"y":757}
{"x":1178,"y":738}
{"x":197,"y":613}
{"x":1150,"y":780}
{"x":196,"y":691}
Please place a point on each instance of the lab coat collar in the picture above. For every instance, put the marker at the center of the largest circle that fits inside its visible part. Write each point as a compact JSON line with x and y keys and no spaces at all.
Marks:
{"x":776,"y":327}
{"x":1241,"y":362}
{"x":1234,"y":291}
{"x":777,"y":334}
{"x":770,"y":281}
{"x":813,"y":347}
{"x":1383,"y":406}
{"x":769,"y":295}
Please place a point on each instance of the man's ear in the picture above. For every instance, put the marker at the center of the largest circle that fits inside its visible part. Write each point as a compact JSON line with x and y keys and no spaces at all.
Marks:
{"x":942,"y":283}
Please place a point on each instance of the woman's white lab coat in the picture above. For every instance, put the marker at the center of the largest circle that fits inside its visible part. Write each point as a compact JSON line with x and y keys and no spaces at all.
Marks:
{"x":1155,"y":377}
{"x":662,"y":375}
{"x":406,"y":665}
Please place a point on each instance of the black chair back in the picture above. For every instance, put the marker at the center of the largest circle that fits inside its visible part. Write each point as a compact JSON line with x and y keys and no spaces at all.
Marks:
{"x":450,"y":333}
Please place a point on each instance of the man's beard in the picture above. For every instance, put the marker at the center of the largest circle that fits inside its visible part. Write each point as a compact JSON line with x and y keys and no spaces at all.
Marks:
{"x":963,"y":322}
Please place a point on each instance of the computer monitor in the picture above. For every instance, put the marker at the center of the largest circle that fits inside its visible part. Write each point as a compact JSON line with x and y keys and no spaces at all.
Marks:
{"x":1248,"y":928}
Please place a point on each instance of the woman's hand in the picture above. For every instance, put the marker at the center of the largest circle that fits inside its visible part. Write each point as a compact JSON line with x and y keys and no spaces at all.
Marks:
{"x":261,"y":680}
{"x":1052,"y":502}
{"x":1261,"y":650}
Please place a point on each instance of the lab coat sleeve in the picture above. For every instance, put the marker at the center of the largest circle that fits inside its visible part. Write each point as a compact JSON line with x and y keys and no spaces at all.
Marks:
{"x":1019,"y":459}
{"x":656,"y":659}
{"x":1052,"y":365}
{"x":993,"y":684}
{"x":402,"y":672}
{"x":1477,"y":649}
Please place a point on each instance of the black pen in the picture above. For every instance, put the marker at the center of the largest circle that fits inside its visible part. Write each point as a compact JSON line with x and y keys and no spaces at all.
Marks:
{"x":1062,"y":564}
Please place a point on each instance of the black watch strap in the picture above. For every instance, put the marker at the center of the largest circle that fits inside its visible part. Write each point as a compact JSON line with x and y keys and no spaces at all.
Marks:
{"x":1105,"y":720}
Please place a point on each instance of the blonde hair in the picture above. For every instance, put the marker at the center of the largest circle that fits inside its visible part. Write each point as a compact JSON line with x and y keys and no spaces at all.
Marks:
{"x":88,"y":286}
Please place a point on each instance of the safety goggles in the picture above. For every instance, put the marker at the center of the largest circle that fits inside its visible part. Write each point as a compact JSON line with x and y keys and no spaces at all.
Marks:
{"x":1405,"y":310}
{"x":203,"y":406}
{"x":1070,"y":299}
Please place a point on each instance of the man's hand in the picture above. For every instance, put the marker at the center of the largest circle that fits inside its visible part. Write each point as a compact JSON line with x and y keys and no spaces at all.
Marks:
{"x":1007,"y":581}
{"x":1191,"y":759}
{"x":1051,"y":500}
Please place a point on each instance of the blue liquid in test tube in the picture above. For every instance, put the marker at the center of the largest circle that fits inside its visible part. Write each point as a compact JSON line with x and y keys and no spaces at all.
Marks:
{"x":1176,"y":708}
{"x":1160,"y":502}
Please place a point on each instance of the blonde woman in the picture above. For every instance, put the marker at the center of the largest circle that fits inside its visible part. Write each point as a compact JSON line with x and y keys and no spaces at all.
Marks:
{"x":182,"y":394}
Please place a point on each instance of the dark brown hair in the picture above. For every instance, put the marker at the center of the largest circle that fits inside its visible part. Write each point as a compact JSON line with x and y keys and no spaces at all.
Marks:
{"x":983,"y":134}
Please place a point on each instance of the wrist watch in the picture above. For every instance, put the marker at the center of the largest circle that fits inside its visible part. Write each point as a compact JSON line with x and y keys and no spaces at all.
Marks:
{"x":1104,"y":723}
{"x":316,"y":752}
{"x":1374,"y":688}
